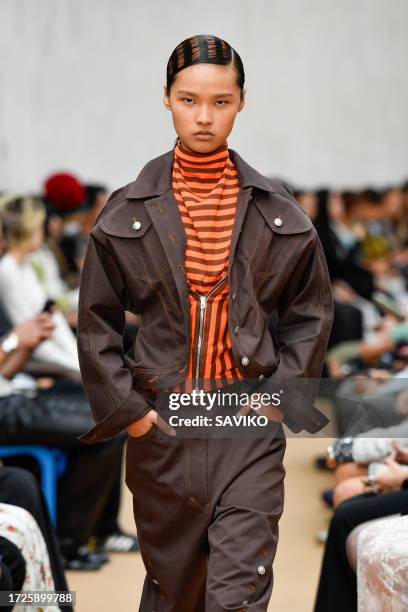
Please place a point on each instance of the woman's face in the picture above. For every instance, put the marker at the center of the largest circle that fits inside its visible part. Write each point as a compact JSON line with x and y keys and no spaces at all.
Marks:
{"x":204,"y":97}
{"x":308,"y":202}
{"x":36,"y":239}
{"x":335,"y":207}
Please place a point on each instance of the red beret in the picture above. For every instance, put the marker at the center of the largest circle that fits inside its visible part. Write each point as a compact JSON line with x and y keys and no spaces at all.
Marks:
{"x":64,"y":192}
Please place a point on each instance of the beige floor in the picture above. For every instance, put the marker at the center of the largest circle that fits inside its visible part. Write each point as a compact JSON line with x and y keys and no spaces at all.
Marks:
{"x":117,"y":587}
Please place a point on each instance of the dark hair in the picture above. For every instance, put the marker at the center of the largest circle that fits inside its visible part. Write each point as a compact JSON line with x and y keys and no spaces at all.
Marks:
{"x":92,"y":190}
{"x":203,"y":49}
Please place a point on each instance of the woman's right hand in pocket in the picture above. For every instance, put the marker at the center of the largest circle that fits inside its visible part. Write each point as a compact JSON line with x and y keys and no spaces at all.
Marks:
{"x":142,"y":426}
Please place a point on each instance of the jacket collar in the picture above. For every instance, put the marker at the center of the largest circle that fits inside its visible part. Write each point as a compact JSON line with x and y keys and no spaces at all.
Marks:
{"x":155,"y":178}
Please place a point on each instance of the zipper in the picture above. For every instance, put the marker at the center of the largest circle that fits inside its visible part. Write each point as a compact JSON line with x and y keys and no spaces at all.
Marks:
{"x":203,"y":301}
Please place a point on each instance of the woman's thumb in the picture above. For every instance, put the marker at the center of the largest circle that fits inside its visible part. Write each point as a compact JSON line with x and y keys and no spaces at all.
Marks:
{"x":390,"y":461}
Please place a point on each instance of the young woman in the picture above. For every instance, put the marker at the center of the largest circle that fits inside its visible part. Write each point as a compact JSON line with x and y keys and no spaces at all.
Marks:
{"x":207,"y":251}
{"x":23,"y":288}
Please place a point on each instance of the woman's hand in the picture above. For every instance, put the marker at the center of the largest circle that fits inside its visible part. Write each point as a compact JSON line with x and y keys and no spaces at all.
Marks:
{"x":390,"y":479}
{"x":142,"y":426}
{"x":401,"y":406}
{"x":401,"y":454}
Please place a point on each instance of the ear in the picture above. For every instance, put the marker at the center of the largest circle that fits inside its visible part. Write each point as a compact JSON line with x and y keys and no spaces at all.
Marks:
{"x":242,"y":102}
{"x":166,"y":99}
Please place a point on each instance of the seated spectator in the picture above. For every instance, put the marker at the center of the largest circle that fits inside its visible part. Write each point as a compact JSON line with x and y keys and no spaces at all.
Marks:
{"x":97,"y":196}
{"x":368,"y":453}
{"x":56,"y":416}
{"x":66,"y":198}
{"x":22,"y":294}
{"x":369,"y":398}
{"x":341,"y":244}
{"x":46,"y":266}
{"x":352,"y":313}
{"x":389,"y":339}
{"x":337,"y":588}
{"x":19,"y":488}
{"x":19,"y":527}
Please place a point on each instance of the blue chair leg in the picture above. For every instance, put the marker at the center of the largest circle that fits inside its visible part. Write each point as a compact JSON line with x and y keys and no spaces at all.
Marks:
{"x":49,"y":477}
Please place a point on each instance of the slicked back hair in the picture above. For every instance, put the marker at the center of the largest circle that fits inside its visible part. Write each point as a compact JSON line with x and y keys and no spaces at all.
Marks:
{"x":203,"y":49}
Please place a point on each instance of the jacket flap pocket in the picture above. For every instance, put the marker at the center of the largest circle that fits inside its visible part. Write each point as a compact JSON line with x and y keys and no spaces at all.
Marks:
{"x":125,"y":225}
{"x":283,"y":215}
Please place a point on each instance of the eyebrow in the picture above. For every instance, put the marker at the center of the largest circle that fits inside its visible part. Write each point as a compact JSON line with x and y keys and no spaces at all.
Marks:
{"x":190,"y":93}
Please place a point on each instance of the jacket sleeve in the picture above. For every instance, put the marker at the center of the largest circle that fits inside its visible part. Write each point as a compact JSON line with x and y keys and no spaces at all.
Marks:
{"x":305,"y":312}
{"x":108,"y":383}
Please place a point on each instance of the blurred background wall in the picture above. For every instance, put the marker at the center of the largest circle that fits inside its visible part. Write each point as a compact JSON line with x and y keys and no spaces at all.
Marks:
{"x":82,"y":82}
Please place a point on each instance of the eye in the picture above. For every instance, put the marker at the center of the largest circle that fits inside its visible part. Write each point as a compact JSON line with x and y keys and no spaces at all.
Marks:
{"x":223,"y":102}
{"x":191,"y":99}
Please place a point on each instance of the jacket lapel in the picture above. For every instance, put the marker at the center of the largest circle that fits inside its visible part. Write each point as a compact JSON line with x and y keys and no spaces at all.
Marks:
{"x":166,"y":218}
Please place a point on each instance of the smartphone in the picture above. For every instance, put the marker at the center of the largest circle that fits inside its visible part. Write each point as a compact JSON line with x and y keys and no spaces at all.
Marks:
{"x":48,"y":305}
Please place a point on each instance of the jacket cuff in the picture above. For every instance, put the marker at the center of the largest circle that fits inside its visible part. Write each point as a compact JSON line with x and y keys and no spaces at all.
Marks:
{"x":133,"y":408}
{"x":298,"y":409}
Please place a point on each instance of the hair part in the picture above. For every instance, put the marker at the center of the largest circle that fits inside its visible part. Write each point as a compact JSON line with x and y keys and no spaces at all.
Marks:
{"x":204,"y":49}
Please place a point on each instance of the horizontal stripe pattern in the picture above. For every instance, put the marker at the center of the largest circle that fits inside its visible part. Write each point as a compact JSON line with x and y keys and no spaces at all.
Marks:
{"x":206,"y":188}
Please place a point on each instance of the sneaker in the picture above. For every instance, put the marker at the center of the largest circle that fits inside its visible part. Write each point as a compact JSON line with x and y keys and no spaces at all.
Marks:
{"x":118,"y":542}
{"x":321,"y":536}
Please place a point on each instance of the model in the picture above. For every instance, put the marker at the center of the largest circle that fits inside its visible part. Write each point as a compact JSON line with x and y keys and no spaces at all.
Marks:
{"x":207,"y":251}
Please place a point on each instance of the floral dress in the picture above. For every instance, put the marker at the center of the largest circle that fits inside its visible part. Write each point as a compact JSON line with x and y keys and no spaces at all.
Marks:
{"x":20,"y":527}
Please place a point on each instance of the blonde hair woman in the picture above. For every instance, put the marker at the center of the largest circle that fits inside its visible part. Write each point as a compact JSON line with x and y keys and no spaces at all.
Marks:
{"x":22,"y":295}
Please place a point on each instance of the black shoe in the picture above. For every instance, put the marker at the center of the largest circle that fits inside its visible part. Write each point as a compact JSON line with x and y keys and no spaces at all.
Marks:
{"x":320,"y":463}
{"x":97,"y":556}
{"x":84,"y":561}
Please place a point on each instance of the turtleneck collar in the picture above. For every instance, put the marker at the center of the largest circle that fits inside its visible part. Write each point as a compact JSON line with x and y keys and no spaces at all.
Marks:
{"x":201,"y":173}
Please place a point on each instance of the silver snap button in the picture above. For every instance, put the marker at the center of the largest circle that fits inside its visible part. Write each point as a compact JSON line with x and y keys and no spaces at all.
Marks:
{"x":236,"y":329}
{"x":234,"y":295}
{"x":278,"y":221}
{"x":261,"y":569}
{"x":137,"y":225}
{"x":155,"y":581}
{"x":261,"y":377}
{"x":245,"y":603}
{"x":245,"y":361}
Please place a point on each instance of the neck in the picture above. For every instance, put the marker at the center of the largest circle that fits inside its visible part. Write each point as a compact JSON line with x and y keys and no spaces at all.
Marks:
{"x":18,"y":253}
{"x":185,"y":149}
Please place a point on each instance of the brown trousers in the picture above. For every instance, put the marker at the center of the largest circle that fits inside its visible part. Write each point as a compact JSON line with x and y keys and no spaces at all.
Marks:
{"x":206,"y":511}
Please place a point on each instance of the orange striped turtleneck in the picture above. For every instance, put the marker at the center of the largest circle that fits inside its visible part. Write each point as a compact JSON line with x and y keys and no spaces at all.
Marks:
{"x":206,"y":187}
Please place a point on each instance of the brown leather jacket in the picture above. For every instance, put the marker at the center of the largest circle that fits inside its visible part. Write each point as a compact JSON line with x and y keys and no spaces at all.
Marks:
{"x":135,"y":261}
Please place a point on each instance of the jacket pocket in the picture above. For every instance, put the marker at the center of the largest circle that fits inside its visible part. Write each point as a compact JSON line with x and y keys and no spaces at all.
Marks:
{"x":256,"y":365}
{"x":147,"y":433}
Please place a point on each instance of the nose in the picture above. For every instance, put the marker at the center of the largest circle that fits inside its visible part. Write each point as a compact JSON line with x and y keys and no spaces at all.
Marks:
{"x":204,"y":115}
